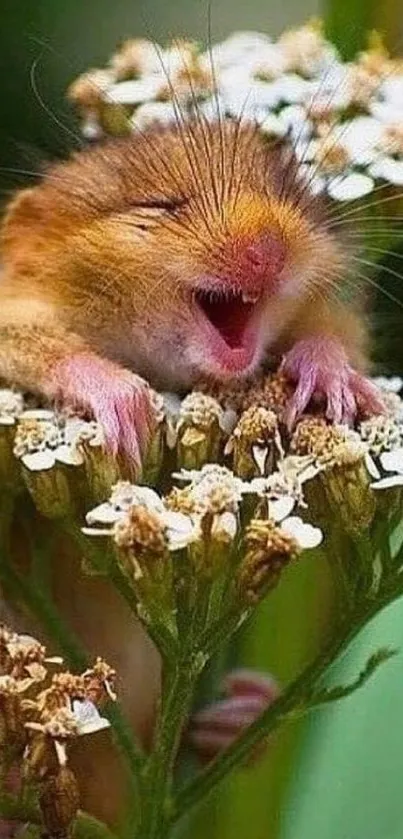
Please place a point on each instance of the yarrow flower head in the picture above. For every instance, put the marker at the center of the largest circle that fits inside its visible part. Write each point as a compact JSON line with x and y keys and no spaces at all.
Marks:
{"x":344,"y":118}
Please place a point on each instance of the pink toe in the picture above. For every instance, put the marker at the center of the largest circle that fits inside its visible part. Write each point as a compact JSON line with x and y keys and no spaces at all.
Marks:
{"x":118,"y":399}
{"x":369,"y":398}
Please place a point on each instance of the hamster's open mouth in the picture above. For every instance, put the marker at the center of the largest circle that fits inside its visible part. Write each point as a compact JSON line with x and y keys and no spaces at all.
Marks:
{"x":229,"y":322}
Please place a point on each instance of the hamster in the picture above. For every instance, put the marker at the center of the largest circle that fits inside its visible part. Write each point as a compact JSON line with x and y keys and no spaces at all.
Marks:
{"x":186,"y":252}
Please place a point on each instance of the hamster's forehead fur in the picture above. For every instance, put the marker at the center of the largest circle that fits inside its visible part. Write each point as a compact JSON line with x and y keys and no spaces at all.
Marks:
{"x":195,"y":162}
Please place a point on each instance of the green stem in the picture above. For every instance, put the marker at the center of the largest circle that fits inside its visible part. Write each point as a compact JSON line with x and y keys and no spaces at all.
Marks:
{"x":13,"y":809}
{"x":156,"y":803}
{"x":294,"y":697}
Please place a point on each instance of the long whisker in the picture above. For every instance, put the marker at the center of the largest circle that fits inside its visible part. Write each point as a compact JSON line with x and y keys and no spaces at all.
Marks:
{"x":217,"y":102}
{"x":46,"y":108}
{"x":369,"y":204}
{"x":206,"y":134}
{"x":380,"y":288}
{"x":186,"y":134}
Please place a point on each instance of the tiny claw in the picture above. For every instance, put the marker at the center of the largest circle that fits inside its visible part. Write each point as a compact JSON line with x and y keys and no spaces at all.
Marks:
{"x":118,"y":399}
{"x":319,"y":367}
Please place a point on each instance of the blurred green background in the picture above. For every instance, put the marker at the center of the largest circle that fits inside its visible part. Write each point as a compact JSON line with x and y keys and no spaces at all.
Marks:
{"x":68,"y":36}
{"x":338,"y":775}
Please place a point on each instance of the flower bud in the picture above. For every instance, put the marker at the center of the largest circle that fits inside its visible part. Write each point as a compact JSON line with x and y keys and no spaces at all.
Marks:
{"x":200,"y":431}
{"x":144,"y":556}
{"x":38,"y":441}
{"x":154,"y":457}
{"x":101,"y":468}
{"x":268,"y":549}
{"x":255,"y":443}
{"x":59,"y":801}
{"x":343,"y":460}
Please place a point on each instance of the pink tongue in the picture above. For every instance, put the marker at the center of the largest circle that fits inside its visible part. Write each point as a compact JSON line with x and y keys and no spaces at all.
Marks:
{"x":229,"y":317}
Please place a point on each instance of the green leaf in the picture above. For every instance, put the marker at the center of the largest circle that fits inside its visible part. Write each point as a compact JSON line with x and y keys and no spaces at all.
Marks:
{"x":320,"y":697}
{"x":347,"y":783}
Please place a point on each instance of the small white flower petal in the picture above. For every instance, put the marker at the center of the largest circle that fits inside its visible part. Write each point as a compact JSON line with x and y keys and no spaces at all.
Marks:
{"x":94,"y":726}
{"x":280,"y":508}
{"x":61,"y":752}
{"x":224,"y":526}
{"x":291,"y":88}
{"x":392,"y":461}
{"x":274,"y":125}
{"x":96,"y":531}
{"x":392,"y":89}
{"x":305,"y":534}
{"x":372,"y":467}
{"x":259,"y":454}
{"x":38,"y":414}
{"x":389,"y":113}
{"x":137,"y":91}
{"x":181,"y":530}
{"x":389,"y":170}
{"x":228,"y":421}
{"x":104,"y":514}
{"x":388,"y":483}
{"x":361,"y":137}
{"x":88,"y":717}
{"x":238,"y":48}
{"x":394,"y":384}
{"x":350,"y":187}
{"x":149,"y":498}
{"x":152,"y":113}
{"x":39,"y":461}
{"x":6,"y":420}
{"x":69,"y":455}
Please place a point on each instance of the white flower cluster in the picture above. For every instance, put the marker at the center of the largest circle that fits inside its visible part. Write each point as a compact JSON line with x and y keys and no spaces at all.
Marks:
{"x":215,"y":491}
{"x":343,"y":119}
{"x":44,"y":438}
{"x":178,"y":527}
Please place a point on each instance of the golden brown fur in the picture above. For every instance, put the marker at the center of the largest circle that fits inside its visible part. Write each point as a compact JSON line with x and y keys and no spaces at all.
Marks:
{"x":101,"y":261}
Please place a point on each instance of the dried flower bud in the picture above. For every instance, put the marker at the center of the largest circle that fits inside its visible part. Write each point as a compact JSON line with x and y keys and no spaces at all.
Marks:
{"x":143,"y":553}
{"x":99,"y":682}
{"x":142,"y":534}
{"x":315,"y":436}
{"x":40,"y":444}
{"x":102,"y":470}
{"x":381,"y":433}
{"x":268,"y":549}
{"x":154,"y":457}
{"x":199,"y":430}
{"x":59,"y":801}
{"x":255,"y":443}
{"x":12,"y":731}
{"x":343,"y":457}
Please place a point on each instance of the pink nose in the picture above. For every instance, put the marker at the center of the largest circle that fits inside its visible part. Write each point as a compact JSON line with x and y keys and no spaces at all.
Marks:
{"x":254,"y":262}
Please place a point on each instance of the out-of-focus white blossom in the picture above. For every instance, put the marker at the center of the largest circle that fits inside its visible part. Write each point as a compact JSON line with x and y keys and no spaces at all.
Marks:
{"x":292,"y":87}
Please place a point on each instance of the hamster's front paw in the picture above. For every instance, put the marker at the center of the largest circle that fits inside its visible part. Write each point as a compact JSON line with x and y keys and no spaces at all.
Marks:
{"x":319,"y":368}
{"x":118,"y":399}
